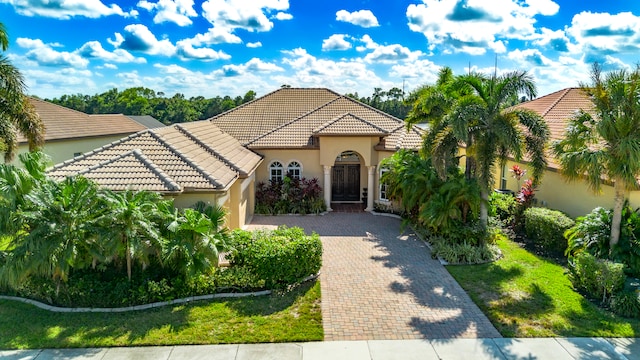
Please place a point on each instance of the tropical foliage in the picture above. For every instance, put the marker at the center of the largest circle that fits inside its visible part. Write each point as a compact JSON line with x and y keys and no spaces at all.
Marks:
{"x":604,"y":144}
{"x":17,"y":115}
{"x":289,"y":196}
{"x":472,"y":111}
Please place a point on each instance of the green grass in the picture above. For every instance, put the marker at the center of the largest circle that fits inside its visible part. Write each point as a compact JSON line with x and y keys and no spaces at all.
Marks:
{"x":527,"y":296}
{"x":294,"y":316}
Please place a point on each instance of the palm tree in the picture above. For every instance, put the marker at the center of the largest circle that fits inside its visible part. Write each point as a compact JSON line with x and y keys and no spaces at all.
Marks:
{"x":60,"y":221}
{"x":16,"y":112}
{"x":492,"y":132}
{"x":196,"y":240}
{"x":129,"y":227}
{"x":607,"y":143}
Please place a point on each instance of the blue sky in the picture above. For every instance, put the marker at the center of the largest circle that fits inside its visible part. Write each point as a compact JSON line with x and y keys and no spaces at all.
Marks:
{"x":227,"y":47}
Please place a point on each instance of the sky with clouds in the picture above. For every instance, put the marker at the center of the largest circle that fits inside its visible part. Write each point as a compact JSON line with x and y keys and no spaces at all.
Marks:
{"x":227,"y":47}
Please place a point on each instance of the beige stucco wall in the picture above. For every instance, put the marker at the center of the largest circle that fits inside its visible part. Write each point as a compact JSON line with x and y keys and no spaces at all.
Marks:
{"x":573,"y":198}
{"x":62,"y":150}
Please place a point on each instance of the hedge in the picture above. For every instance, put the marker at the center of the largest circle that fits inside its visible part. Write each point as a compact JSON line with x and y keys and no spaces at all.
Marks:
{"x":280,"y":257}
{"x":547,"y":227}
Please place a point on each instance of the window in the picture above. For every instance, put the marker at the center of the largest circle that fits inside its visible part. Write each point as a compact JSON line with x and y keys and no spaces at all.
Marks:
{"x":294,"y":170}
{"x":383,"y":186}
{"x":503,"y":177}
{"x":276,"y":171}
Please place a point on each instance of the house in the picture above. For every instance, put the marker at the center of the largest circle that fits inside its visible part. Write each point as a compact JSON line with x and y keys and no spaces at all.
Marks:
{"x":69,"y":133}
{"x":573,"y":198}
{"x":312,"y":133}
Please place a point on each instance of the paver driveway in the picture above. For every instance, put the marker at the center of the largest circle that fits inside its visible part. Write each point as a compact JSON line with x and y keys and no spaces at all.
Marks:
{"x":380,"y":284}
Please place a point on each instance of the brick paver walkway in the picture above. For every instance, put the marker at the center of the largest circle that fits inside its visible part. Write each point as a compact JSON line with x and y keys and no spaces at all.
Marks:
{"x":380,"y":284}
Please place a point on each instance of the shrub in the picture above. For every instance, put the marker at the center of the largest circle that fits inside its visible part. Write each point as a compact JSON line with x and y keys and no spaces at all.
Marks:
{"x":280,"y":257}
{"x":597,"y":277}
{"x":463,"y":253}
{"x":289,"y":196}
{"x":626,"y":303}
{"x":503,"y":207}
{"x":547,"y":227}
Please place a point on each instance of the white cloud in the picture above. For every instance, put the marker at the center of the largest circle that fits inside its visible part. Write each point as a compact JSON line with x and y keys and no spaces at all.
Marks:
{"x":473,"y":26}
{"x":364,"y":18}
{"x":66,"y":9}
{"x":93,"y":49}
{"x":282,"y":16}
{"x":336,"y":42}
{"x":44,"y":54}
{"x":241,"y":14}
{"x":254,"y":45}
{"x":187,"y":51}
{"x":110,"y":66}
{"x":138,"y":37}
{"x":214,"y":36}
{"x":55,"y":83}
{"x":424,"y":71}
{"x":179,"y":12}
{"x":391,"y":54}
{"x":603,"y":32}
{"x":368,"y":44}
{"x":529,"y":57}
{"x":254,"y":65}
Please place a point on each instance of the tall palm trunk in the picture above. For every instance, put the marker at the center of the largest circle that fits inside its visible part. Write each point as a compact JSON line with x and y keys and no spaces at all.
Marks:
{"x":127,"y":249}
{"x":484,"y":210}
{"x":618,"y":204}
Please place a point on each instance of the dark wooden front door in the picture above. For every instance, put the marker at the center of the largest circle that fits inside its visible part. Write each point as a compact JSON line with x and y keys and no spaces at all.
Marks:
{"x":345,"y":184}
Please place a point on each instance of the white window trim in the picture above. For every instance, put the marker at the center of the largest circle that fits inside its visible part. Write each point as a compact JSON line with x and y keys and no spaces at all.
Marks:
{"x":299,"y":164}
{"x":271,"y":168}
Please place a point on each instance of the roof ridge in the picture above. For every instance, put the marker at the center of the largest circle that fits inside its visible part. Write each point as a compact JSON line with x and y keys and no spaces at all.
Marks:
{"x":340,"y":117}
{"x":208,"y":148}
{"x":60,"y":106}
{"x":290,"y":122}
{"x":372,"y":108}
{"x":186,"y":159}
{"x":103,"y":147}
{"x":562,"y":96}
{"x":164,"y":177}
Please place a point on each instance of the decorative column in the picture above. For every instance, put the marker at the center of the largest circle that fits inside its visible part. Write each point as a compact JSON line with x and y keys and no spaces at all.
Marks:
{"x":327,"y":186}
{"x":372,"y":173}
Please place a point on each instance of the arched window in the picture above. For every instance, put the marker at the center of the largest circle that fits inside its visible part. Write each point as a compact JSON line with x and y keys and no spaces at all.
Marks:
{"x":294,"y":169}
{"x":276,"y":171}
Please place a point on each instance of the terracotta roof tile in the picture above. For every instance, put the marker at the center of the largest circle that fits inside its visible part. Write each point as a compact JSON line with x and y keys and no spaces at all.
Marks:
{"x":213,"y":161}
{"x":63,"y":123}
{"x":259,"y":116}
{"x":556,"y":109}
{"x":349,"y":124}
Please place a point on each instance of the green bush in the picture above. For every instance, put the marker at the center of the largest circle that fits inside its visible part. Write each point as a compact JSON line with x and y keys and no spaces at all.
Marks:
{"x":547,"y":227}
{"x":280,"y":257}
{"x":463,"y":253}
{"x":626,"y":303}
{"x":599,"y":278}
{"x":503,"y":207}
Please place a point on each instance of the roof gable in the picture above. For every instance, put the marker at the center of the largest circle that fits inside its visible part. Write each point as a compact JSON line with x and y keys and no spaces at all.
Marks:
{"x":211,"y":160}
{"x":64,"y":123}
{"x":349,"y":124}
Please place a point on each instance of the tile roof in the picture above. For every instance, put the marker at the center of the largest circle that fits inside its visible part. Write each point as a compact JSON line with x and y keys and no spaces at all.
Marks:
{"x":298,"y":131}
{"x":250,"y":120}
{"x":556,"y":109}
{"x":349,"y":124}
{"x":64,"y":123}
{"x":183,"y":157}
{"x":147,"y":121}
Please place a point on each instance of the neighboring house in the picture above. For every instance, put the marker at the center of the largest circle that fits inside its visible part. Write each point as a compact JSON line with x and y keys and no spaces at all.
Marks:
{"x":69,"y":133}
{"x":312,"y":133}
{"x":574,"y":198}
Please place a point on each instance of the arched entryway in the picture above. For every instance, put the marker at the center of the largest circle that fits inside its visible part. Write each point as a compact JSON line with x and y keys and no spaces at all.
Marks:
{"x":345,"y":177}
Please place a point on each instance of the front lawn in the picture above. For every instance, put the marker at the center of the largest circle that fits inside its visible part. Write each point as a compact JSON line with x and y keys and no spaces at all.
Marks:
{"x":294,"y":316}
{"x":527,"y":296}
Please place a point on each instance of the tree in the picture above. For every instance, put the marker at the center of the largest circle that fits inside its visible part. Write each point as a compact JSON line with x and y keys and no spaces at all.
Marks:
{"x":606,"y":144}
{"x":471,"y":110}
{"x":16,"y":112}
{"x":129,"y":228}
